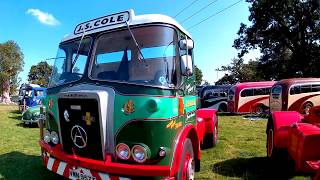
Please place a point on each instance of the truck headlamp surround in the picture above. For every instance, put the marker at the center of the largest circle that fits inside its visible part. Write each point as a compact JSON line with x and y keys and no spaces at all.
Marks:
{"x":46,"y":136}
{"x":123,"y":151}
{"x":54,"y":137}
{"x":139,"y":153}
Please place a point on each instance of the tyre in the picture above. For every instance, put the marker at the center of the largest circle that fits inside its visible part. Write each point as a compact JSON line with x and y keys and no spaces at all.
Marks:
{"x":306,"y":107}
{"x":210,"y":139}
{"x":272,"y":151}
{"x":187,"y":163}
{"x":223,"y":108}
{"x":259,"y":110}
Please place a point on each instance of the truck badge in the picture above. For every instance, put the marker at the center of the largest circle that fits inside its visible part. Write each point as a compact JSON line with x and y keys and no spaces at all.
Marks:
{"x":79,"y":136}
{"x":128,"y":107}
{"x":88,"y":119}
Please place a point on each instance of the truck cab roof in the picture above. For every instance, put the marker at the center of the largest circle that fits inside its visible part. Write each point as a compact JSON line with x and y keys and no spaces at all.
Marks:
{"x":133,"y":20}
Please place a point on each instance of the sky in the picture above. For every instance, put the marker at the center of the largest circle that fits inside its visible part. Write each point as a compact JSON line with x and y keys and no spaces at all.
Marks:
{"x":39,"y":25}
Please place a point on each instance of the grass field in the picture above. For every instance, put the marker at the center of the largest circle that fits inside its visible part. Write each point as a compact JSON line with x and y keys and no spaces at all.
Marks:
{"x":240,"y":153}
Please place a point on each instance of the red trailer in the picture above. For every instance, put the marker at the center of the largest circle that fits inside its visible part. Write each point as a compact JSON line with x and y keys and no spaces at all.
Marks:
{"x":297,"y":135}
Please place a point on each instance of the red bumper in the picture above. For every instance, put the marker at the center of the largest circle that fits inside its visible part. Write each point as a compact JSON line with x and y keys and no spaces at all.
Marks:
{"x":96,"y":167}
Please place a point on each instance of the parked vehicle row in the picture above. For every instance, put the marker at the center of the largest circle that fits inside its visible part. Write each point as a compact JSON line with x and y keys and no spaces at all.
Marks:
{"x":122,"y":104}
{"x":296,"y":94}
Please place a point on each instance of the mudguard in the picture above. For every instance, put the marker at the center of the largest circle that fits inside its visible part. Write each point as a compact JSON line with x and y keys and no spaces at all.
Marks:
{"x":210,"y":118}
{"x":190,"y":132}
{"x":281,"y":121}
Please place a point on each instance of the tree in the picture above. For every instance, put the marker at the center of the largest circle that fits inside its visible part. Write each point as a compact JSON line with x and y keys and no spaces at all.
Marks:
{"x":199,"y":75}
{"x":40,"y":73}
{"x":240,"y":72}
{"x":287,"y":32}
{"x":11,"y":63}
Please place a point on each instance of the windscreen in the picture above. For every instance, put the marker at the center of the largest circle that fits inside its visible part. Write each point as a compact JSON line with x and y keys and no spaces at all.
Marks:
{"x":117,"y":57}
{"x":70,"y":62}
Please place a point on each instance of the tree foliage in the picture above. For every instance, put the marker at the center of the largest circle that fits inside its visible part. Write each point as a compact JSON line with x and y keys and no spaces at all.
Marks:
{"x":288,"y":34}
{"x":198,"y":74}
{"x":240,"y":72}
{"x":11,"y":63}
{"x":40,"y":73}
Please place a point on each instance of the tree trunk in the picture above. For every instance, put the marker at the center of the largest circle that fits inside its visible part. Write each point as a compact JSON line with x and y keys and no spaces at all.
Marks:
{"x":6,"y":92}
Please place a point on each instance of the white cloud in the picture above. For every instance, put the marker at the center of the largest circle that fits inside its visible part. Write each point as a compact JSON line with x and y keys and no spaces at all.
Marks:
{"x":44,"y":17}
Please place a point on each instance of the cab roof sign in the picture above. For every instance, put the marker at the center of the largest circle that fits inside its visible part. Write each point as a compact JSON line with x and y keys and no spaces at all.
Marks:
{"x":101,"y":22}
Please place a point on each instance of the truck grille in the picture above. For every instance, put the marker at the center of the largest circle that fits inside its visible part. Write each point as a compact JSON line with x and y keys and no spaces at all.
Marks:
{"x":81,"y":131}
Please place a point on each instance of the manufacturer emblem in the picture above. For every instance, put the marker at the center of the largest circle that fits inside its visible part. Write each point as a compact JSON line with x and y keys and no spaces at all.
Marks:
{"x":88,"y":118}
{"x":79,"y":136}
{"x":128,"y":107}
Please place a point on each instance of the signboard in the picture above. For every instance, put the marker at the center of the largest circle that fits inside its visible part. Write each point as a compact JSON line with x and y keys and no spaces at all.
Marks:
{"x":101,"y":22}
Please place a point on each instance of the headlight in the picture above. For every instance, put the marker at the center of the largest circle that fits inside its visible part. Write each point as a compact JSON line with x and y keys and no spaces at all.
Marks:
{"x":139,"y":153}
{"x":46,"y":136}
{"x":123,"y":151}
{"x":54,"y":137}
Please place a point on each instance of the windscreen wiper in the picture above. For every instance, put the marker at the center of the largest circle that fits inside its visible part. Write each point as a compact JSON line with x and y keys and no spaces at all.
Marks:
{"x":77,"y":54}
{"x":135,"y":42}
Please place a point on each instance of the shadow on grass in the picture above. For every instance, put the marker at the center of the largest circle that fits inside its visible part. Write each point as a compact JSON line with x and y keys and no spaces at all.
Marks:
{"x":255,"y":168}
{"x":31,"y":126}
{"x":17,"y":165}
{"x":17,"y":117}
{"x":15,"y":111}
{"x":226,"y":114}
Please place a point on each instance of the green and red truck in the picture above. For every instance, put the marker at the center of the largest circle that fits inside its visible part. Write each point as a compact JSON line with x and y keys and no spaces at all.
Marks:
{"x":122,"y":104}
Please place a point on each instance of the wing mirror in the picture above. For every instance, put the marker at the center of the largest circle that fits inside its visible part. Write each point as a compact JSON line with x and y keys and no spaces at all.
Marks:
{"x":186,"y":44}
{"x":186,"y":65}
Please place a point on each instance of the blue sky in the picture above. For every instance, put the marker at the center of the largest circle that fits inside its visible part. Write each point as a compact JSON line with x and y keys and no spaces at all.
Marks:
{"x":38,"y":35}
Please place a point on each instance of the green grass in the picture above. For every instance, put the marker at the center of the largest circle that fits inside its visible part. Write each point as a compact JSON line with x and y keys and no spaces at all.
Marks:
{"x":19,"y":149}
{"x":240,"y":153}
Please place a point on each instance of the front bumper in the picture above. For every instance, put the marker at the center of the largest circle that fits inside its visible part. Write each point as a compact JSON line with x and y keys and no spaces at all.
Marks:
{"x":61,"y":163}
{"x":29,"y":121}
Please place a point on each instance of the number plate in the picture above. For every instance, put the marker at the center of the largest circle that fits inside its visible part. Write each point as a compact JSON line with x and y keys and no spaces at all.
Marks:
{"x":77,"y":174}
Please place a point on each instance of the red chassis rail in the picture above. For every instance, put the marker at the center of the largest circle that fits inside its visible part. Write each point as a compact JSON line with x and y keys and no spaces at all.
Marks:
{"x":105,"y":166}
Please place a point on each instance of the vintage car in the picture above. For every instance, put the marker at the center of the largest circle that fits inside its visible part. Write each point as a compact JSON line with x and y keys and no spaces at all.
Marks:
{"x":30,"y":95}
{"x":31,"y":115}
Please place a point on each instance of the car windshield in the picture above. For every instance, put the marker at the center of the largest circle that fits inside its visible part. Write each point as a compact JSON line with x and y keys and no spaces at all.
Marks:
{"x":28,"y":93}
{"x":66,"y":67}
{"x":117,"y":56}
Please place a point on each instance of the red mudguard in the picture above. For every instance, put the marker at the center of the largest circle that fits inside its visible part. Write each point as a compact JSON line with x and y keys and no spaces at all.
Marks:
{"x":282,"y":120}
{"x":209,"y":117}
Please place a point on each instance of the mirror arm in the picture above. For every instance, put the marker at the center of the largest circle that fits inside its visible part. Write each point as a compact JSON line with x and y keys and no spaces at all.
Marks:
{"x":187,"y":51}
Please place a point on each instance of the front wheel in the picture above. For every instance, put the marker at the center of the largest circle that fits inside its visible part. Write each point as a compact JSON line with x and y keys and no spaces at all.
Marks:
{"x":259,"y":110}
{"x":187,"y":164}
{"x":272,"y":151}
{"x":306,"y":107}
{"x":210,"y":139}
{"x":223,"y":108}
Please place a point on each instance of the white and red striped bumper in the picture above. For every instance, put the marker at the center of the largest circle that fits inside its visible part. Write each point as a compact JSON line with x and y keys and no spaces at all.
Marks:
{"x":61,"y":163}
{"x":64,"y":169}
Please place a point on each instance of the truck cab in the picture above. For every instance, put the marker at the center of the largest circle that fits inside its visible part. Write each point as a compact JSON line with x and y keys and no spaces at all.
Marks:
{"x":121,"y":102}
